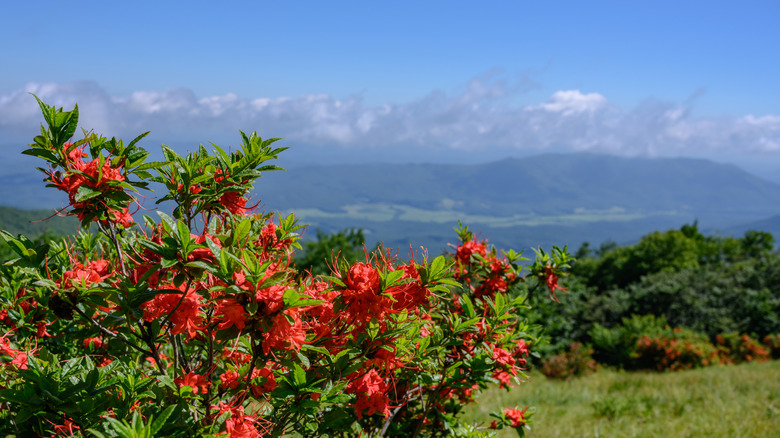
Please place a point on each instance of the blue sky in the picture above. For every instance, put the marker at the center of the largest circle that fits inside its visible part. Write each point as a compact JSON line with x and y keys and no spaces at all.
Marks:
{"x":492,"y":78}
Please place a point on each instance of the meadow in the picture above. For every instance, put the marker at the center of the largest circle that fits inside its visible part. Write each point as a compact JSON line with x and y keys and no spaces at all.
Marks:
{"x":719,"y":401}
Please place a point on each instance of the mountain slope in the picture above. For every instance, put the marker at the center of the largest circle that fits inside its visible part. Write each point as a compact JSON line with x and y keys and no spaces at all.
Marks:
{"x":546,"y":185}
{"x":32,"y":223}
{"x":519,"y":202}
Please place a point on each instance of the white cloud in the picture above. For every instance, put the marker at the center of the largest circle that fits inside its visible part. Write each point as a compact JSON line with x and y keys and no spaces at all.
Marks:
{"x":572,"y":102}
{"x":480,"y":118}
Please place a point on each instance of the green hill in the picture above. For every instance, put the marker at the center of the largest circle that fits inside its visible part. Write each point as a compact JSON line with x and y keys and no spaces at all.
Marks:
{"x":33,"y":223}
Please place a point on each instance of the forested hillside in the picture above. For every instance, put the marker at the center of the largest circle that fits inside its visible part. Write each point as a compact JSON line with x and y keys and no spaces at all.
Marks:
{"x":678,"y":288}
{"x":35,"y":222}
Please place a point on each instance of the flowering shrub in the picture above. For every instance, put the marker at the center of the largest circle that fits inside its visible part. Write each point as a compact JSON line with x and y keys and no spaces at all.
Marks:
{"x":199,"y":324}
{"x":772,"y":344}
{"x":674,"y":350}
{"x":575,"y":362}
{"x":617,"y":346}
{"x":737,"y":348}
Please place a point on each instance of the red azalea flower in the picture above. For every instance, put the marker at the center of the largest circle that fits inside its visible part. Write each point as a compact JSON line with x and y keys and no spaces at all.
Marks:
{"x":234,"y":203}
{"x":283,"y":335}
{"x":230,"y":379}
{"x":187,"y":316}
{"x":198,"y":383}
{"x":121,"y":217}
{"x":551,"y":278}
{"x":371,"y":391}
{"x":503,"y":357}
{"x":467,"y":249}
{"x":504,"y":378}
{"x":362,"y":277}
{"x":263,"y":381}
{"x":516,"y":416}
{"x":229,"y":312}
{"x":272,"y":297}
{"x":239,"y":424}
{"x":521,"y":348}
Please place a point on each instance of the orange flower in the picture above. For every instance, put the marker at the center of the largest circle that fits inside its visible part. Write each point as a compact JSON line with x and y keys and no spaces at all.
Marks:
{"x":551,"y":278}
{"x":371,"y":391}
{"x":516,"y":416}
{"x":198,"y":383}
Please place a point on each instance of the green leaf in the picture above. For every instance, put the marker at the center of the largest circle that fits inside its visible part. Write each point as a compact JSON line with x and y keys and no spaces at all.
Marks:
{"x":167,"y":263}
{"x":85,"y":193}
{"x":167,"y":222}
{"x":71,"y":124}
{"x":468,"y":306}
{"x":184,"y":233}
{"x":203,"y":265}
{"x":449,"y":281}
{"x":392,"y":277}
{"x":42,"y":153}
{"x":320,"y":350}
{"x":242,"y":230}
{"x":215,"y":249}
{"x":290,"y":298}
{"x":299,"y":375}
{"x":304,"y":360}
{"x":335,"y":280}
{"x":438,"y":265}
{"x":463,"y":326}
{"x":305,"y":302}
{"x":137,"y":139}
{"x":500,"y":303}
{"x":159,"y":422}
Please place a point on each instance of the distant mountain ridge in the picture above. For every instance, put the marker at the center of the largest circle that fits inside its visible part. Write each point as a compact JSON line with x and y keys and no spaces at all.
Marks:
{"x":545,"y":185}
{"x":517,"y":202}
{"x":545,"y":199}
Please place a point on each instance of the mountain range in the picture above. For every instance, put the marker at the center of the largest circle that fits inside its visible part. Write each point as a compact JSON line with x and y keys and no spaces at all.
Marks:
{"x":516,"y":202}
{"x":540,"y":200}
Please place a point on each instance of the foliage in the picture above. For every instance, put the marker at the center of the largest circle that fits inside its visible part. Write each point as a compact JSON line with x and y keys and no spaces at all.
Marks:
{"x":772,"y":344}
{"x":7,"y":253}
{"x":674,"y":350}
{"x":736,"y":348}
{"x":617,"y":346}
{"x":318,"y":256}
{"x":647,"y":343}
{"x":199,"y":325}
{"x":577,"y":361}
{"x":725,"y":285}
{"x":655,"y":252}
{"x":670,"y":251}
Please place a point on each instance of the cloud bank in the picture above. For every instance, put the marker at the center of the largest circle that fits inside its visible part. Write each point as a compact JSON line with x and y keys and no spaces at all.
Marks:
{"x":480,"y":118}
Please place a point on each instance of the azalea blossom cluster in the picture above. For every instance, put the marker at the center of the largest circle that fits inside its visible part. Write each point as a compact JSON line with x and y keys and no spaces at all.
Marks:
{"x":200,"y":324}
{"x":95,"y":178}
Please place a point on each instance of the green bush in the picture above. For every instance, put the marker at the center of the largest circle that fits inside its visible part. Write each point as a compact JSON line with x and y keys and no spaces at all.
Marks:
{"x":318,"y":256}
{"x":648,"y":343}
{"x":617,"y":346}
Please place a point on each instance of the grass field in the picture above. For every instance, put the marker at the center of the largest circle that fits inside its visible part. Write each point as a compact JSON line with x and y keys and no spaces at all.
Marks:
{"x":721,"y":401}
